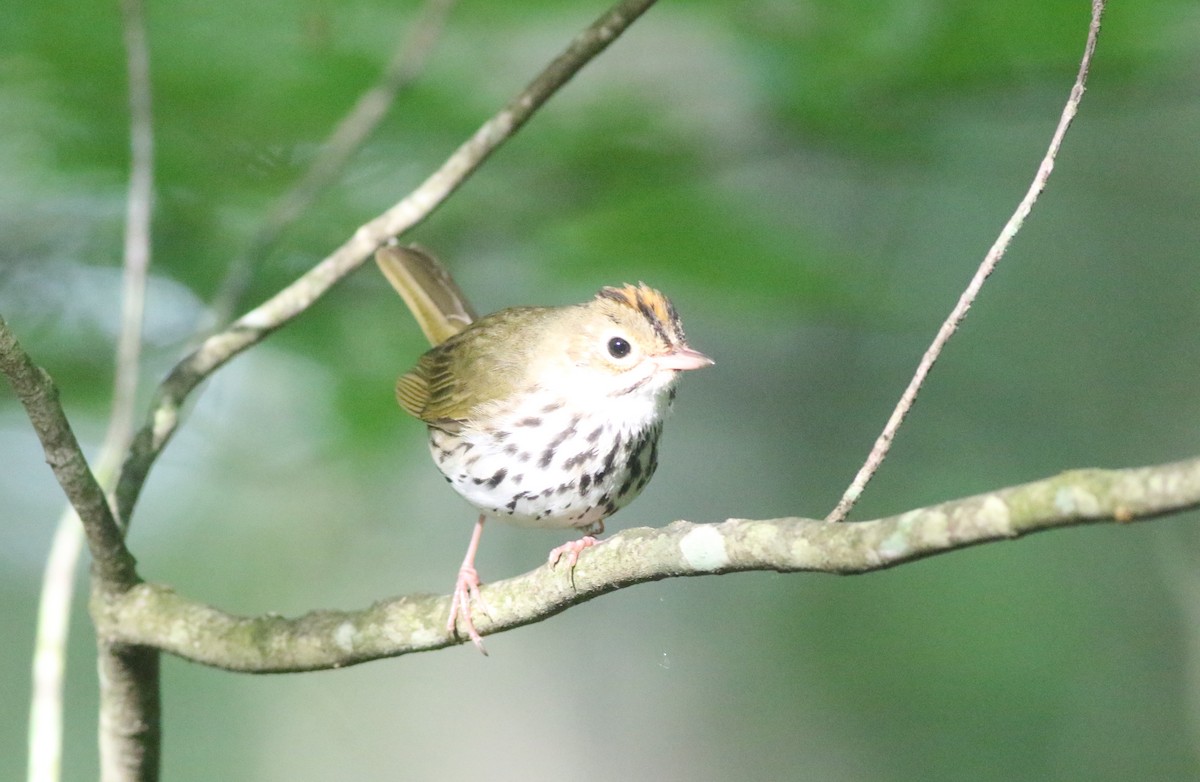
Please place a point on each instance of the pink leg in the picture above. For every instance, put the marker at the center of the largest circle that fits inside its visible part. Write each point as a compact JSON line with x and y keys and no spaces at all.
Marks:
{"x":467,"y":589}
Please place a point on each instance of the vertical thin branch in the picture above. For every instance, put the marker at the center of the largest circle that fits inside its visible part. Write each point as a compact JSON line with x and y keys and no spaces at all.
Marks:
{"x":129,"y":727}
{"x":131,"y":712}
{"x":50,"y":650}
{"x":139,"y":206}
{"x":1009,"y":232}
{"x":352,"y":131}
{"x":54,"y":610}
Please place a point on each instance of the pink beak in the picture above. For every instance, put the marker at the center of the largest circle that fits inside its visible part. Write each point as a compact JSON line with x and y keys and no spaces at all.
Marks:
{"x":683,"y":359}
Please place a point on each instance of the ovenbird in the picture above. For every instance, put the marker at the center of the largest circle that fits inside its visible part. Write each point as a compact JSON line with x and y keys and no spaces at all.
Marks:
{"x":540,"y":416}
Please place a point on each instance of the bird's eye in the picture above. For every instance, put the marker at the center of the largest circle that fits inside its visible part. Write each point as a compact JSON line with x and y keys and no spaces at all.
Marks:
{"x":618,"y":347}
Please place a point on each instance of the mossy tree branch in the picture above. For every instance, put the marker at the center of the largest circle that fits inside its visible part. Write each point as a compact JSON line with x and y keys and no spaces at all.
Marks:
{"x":154,"y":615}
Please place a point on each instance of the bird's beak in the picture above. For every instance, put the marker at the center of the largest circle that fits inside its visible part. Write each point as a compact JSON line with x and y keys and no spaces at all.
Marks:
{"x":683,"y":359}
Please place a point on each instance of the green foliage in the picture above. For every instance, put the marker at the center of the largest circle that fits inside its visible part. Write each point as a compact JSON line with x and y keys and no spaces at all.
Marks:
{"x":813,"y":183}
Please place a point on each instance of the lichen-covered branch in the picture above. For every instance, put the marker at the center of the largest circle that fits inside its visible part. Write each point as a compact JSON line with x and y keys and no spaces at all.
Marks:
{"x":155,"y":616}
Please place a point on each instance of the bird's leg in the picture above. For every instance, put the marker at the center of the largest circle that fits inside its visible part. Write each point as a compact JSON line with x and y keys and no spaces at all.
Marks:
{"x":466,"y":589}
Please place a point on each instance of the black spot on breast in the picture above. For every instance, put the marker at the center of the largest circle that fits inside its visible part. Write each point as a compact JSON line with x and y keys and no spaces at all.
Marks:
{"x":498,"y":476}
{"x":609,"y":460}
{"x":562,"y":436}
{"x":625,"y":487}
{"x":611,"y":457}
{"x":512,"y":504}
{"x":530,"y":421}
{"x":579,"y":459}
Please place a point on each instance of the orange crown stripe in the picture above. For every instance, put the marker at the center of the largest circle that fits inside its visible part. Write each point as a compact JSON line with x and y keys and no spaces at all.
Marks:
{"x":654,"y":306}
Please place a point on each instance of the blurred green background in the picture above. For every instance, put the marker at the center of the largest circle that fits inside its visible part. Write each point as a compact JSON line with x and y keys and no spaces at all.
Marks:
{"x":813,"y":183}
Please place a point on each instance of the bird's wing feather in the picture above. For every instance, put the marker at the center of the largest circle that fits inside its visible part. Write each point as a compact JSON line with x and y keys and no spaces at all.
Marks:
{"x":483,"y":364}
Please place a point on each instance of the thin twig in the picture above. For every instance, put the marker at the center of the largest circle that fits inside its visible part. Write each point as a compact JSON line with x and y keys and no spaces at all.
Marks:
{"x":50,"y":650}
{"x":38,"y":394}
{"x":884,"y":442}
{"x":130,"y":728}
{"x":405,"y":66}
{"x":157,"y":616}
{"x":293,"y":300}
{"x":139,"y":205}
{"x":58,"y":578}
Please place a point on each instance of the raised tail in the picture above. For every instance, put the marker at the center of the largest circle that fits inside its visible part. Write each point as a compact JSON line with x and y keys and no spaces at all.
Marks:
{"x":440,"y":308}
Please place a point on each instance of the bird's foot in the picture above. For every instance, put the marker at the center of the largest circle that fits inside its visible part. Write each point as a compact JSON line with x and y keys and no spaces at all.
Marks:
{"x":466,"y":589}
{"x":571,"y":551}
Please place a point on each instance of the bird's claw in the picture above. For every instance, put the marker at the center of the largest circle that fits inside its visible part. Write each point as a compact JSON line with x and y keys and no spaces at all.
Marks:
{"x":466,"y":589}
{"x":572,"y":551}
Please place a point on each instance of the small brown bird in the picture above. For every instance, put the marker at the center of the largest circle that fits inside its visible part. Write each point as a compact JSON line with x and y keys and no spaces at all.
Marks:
{"x":541,"y":416}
